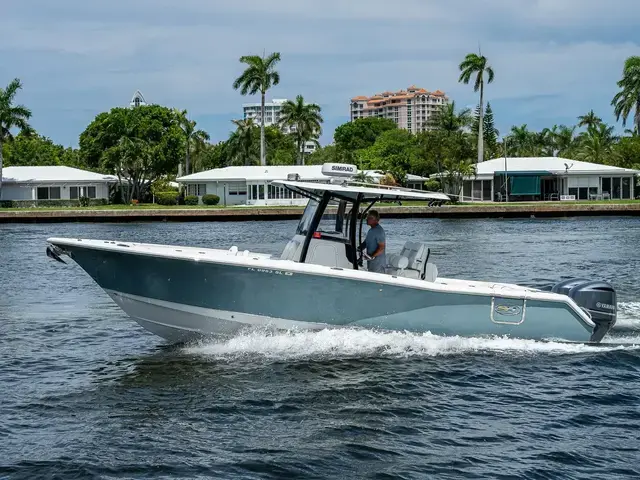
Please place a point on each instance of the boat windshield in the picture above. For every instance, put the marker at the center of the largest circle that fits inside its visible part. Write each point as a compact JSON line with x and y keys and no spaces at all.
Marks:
{"x":332,"y":222}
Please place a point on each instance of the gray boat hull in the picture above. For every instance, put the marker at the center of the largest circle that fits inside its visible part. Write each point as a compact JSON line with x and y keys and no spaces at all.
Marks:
{"x":183,"y":299}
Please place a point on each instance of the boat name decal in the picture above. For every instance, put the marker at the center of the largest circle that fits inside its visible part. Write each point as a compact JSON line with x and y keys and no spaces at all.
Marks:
{"x":508,"y":310}
{"x":605,"y":305}
{"x":264,"y":270}
{"x":342,"y":168}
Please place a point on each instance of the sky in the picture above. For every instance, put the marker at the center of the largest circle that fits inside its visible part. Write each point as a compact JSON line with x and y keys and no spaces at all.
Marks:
{"x":553,"y":59}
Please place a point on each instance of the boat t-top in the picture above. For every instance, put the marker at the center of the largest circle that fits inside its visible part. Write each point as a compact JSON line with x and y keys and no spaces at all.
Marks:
{"x":320,"y":281}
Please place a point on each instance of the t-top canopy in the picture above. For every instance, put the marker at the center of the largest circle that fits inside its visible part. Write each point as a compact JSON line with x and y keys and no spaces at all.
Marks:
{"x":368,"y":193}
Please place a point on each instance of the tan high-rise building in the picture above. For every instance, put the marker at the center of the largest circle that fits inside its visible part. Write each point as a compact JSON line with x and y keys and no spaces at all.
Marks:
{"x":411,"y":109}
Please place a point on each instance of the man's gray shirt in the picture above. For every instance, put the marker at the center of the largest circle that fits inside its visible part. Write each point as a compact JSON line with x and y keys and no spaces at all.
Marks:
{"x":375,"y":236}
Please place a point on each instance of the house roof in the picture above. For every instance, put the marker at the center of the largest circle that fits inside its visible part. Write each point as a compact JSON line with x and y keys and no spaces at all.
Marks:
{"x":268,"y":173}
{"x":549,"y":165}
{"x":52,"y":174}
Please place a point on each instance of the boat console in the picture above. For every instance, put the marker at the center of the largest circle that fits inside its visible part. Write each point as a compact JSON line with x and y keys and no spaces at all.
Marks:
{"x":331,"y":227}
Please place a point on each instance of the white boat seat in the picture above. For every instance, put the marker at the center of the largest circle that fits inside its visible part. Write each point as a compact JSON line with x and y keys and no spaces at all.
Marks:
{"x":417,"y":253}
{"x":412,"y":262}
{"x":398,"y":262}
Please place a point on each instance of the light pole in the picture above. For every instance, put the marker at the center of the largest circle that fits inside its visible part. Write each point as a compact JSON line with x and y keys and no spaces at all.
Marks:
{"x":506,"y":172}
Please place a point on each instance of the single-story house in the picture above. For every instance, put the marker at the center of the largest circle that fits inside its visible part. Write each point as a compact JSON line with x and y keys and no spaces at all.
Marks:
{"x":54,"y":183}
{"x":547,"y":178}
{"x":251,"y":185}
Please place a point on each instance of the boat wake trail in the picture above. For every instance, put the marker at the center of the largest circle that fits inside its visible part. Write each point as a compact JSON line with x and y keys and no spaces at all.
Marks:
{"x":360,"y":343}
{"x":628,"y":317}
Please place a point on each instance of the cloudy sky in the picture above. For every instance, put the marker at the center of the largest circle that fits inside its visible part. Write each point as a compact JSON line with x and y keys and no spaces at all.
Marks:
{"x":554,"y":59}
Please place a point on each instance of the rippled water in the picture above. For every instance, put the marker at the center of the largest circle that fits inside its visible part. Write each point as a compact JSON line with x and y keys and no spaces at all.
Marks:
{"x":86,"y":393}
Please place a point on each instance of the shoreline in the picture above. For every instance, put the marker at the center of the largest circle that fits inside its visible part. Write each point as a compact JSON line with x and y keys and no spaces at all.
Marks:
{"x":546,"y":210}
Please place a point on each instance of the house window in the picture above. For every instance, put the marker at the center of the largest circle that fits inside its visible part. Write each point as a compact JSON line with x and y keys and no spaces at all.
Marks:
{"x":626,"y":188}
{"x":91,"y":192}
{"x":48,"y":193}
{"x":74,"y":193}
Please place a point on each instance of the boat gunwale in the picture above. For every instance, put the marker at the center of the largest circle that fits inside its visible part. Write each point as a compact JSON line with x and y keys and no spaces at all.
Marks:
{"x":484,"y":289}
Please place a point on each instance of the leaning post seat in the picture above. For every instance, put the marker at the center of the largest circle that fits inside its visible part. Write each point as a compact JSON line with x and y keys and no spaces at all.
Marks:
{"x":412,"y":262}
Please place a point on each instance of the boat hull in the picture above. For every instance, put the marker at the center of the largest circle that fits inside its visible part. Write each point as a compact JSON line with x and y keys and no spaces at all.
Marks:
{"x":183,"y":299}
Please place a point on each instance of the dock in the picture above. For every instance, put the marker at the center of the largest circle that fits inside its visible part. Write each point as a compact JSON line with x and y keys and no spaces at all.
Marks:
{"x":237,"y":214}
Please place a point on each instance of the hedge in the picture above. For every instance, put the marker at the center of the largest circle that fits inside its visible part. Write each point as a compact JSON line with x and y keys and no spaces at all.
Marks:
{"x":167,"y":198}
{"x":210,"y":199}
{"x":191,"y":200}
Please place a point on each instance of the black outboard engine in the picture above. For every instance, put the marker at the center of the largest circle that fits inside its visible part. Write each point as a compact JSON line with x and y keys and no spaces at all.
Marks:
{"x":597,"y":298}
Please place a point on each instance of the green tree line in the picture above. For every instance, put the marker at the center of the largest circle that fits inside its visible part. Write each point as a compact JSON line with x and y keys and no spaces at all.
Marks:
{"x":147,"y":143}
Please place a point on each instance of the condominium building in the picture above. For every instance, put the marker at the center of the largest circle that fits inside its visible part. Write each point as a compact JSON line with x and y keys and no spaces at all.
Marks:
{"x":411,"y":109}
{"x":272,"y":112}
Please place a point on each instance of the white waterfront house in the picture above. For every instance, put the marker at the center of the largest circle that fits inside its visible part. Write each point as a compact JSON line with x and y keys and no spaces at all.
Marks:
{"x":251,"y":185}
{"x":547,"y":178}
{"x":54,"y":183}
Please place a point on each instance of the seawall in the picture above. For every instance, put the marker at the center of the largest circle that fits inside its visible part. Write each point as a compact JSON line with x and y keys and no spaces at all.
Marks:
{"x":542,"y":210}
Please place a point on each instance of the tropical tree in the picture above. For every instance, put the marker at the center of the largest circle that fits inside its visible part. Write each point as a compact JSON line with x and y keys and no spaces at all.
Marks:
{"x":139,"y":145}
{"x":628,"y":98}
{"x":242,"y":145}
{"x":304,"y":122}
{"x":477,"y":65}
{"x":596,"y":144}
{"x":489,"y":131}
{"x":448,"y":120}
{"x":565,"y":140}
{"x":359,"y":134}
{"x":11,"y":116}
{"x":193,"y":138}
{"x":522,"y":141}
{"x":589,"y":120}
{"x":259,"y":76}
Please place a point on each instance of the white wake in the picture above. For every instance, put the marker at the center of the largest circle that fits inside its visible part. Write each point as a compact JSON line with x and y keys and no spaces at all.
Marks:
{"x":628,"y":316}
{"x":359,"y":343}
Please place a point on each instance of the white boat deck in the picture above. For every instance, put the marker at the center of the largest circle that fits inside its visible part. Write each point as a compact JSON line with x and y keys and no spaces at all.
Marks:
{"x":261,"y":260}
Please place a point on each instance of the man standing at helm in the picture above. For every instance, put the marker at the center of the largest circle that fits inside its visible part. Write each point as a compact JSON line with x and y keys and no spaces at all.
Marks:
{"x":374,"y":244}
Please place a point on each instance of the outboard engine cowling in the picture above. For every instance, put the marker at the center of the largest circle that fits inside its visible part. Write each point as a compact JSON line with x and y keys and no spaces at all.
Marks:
{"x":597,"y":298}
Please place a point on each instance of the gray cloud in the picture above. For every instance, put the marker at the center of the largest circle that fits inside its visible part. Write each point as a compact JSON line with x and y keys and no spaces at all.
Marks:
{"x":553,"y":59}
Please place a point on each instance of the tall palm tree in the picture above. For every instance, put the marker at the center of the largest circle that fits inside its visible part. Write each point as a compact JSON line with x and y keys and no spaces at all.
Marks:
{"x":589,"y":120}
{"x":259,"y":76}
{"x":477,"y":64}
{"x":192,"y":137}
{"x":304,"y":122}
{"x":628,"y":98}
{"x":11,"y":116}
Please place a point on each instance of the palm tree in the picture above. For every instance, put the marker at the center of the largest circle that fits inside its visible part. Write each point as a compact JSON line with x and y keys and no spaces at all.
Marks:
{"x":241,"y":143}
{"x":589,"y":120}
{"x":192,"y":137}
{"x":477,"y":64}
{"x":304,"y":122}
{"x":521,"y":141}
{"x":565,"y":140}
{"x":446,"y":119}
{"x":628,"y":98}
{"x":596,"y":144}
{"x":259,"y":76}
{"x":11,"y":116}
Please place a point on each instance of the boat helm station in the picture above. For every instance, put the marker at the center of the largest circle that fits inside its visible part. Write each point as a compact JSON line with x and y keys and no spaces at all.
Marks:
{"x":331,"y":228}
